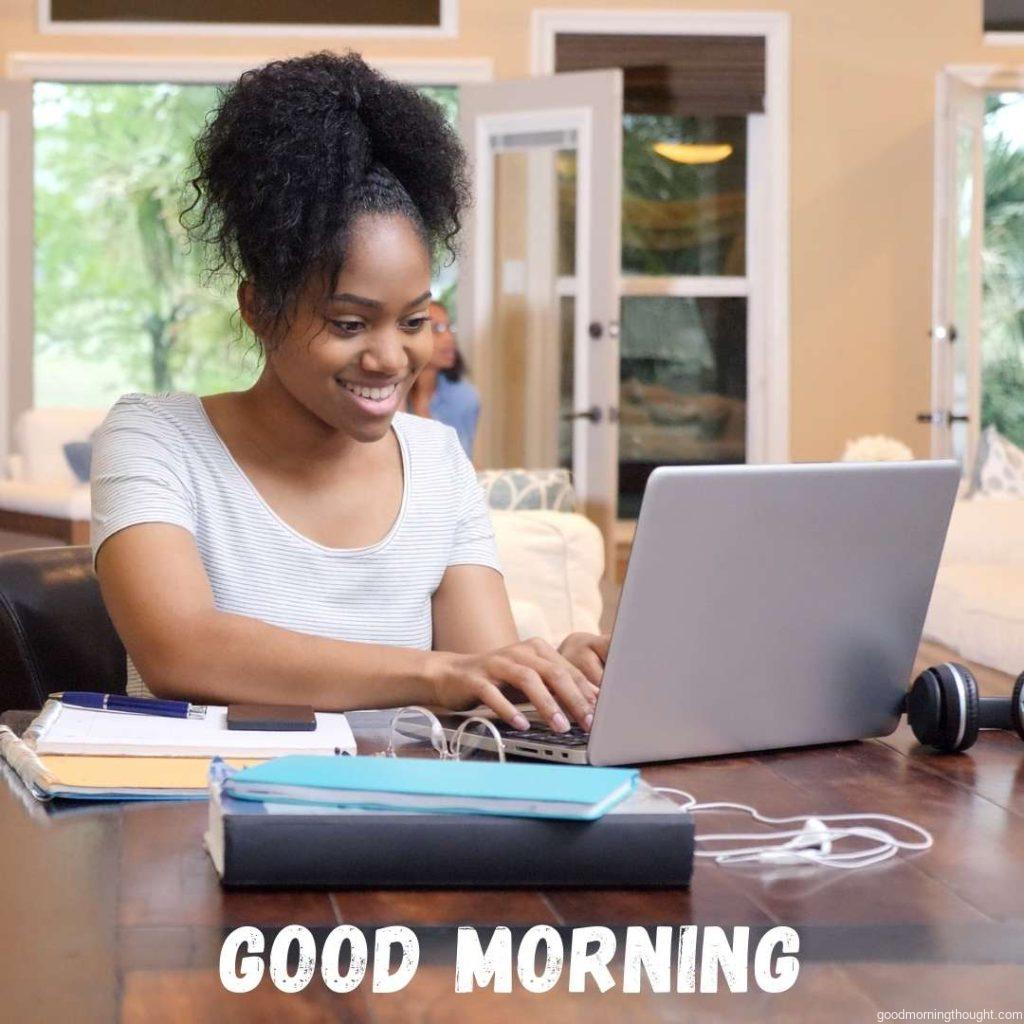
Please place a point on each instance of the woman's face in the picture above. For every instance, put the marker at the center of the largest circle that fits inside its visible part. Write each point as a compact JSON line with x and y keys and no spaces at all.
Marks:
{"x":351,"y":358}
{"x":444,"y":339}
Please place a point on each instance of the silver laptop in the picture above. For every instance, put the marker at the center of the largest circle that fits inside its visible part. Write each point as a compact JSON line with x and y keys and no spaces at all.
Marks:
{"x":763,"y":607}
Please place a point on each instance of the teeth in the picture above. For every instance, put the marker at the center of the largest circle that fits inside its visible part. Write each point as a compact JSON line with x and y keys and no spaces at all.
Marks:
{"x":376,"y":394}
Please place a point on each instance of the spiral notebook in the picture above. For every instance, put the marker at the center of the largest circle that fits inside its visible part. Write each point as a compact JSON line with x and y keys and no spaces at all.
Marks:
{"x":103,"y":755}
{"x":85,"y":777}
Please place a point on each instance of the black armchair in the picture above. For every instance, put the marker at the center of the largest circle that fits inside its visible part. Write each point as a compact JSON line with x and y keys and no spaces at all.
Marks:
{"x":55,"y":633}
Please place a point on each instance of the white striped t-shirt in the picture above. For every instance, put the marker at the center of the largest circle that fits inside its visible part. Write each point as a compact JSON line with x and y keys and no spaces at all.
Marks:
{"x":158,"y":458}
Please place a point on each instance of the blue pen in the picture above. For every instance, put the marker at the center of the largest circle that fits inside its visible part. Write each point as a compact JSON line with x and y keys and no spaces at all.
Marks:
{"x":130,"y":705}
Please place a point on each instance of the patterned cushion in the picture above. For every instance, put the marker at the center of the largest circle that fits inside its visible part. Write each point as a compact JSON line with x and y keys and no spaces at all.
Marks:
{"x":1001,"y":473}
{"x":529,"y":489}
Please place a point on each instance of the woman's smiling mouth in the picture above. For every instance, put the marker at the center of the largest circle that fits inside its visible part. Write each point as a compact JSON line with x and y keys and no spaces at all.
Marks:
{"x":380,"y":401}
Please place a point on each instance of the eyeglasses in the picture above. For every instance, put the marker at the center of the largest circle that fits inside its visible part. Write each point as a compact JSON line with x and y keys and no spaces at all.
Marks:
{"x":475,"y":737}
{"x":439,"y":328}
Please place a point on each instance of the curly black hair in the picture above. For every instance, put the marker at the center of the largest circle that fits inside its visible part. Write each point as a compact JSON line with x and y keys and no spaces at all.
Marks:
{"x":296,"y":150}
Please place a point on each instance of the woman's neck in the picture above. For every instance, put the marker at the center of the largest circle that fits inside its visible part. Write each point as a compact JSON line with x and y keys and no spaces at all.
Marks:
{"x":286,"y":432}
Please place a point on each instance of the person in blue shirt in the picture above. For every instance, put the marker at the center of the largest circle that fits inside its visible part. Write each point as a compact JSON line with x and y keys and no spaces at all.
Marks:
{"x":441,"y":391}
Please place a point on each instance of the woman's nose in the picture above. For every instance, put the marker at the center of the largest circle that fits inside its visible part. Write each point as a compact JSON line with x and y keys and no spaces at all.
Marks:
{"x":385,"y":354}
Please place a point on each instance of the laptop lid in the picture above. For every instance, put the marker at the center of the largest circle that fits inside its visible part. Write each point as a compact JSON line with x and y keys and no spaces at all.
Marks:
{"x":770,"y":606}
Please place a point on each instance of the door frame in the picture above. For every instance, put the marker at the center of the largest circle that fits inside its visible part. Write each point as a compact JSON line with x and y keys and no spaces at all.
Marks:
{"x":768,"y":383}
{"x":987,"y":78}
{"x":586,"y":104}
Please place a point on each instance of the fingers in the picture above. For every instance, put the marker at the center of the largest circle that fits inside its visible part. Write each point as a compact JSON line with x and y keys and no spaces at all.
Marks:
{"x":600,"y":644}
{"x":591,"y":666}
{"x":569,"y":685}
{"x":529,"y":682}
{"x":503,"y":708}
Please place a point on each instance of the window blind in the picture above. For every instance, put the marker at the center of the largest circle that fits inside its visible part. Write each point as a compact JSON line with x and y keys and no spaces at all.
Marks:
{"x":1004,"y":15}
{"x":679,"y":75}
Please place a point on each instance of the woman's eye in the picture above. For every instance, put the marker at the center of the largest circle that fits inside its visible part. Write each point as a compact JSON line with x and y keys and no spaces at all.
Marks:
{"x":347,"y":326}
{"x":414,"y":325}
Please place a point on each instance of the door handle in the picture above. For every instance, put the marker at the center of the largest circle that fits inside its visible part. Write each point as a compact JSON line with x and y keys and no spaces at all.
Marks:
{"x":593,"y":414}
{"x":948,"y":418}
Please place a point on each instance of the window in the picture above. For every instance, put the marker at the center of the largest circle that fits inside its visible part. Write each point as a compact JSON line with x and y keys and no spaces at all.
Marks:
{"x":119,"y":301}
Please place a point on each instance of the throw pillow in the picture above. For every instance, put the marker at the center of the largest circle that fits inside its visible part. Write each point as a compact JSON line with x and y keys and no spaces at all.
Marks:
{"x":79,"y":458}
{"x":528,"y":489}
{"x":1002,"y":473}
{"x":972,"y":486}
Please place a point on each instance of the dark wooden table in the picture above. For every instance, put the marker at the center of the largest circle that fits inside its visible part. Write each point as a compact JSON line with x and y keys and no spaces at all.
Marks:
{"x":115,"y":913}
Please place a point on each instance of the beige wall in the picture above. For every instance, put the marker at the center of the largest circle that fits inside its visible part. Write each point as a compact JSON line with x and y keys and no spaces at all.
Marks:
{"x":863,"y":83}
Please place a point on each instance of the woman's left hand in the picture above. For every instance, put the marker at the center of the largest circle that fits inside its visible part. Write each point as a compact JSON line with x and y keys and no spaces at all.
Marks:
{"x":588,"y":652}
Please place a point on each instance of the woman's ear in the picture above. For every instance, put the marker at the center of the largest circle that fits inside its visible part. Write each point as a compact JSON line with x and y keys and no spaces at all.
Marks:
{"x":252,"y":312}
{"x":246,"y":296}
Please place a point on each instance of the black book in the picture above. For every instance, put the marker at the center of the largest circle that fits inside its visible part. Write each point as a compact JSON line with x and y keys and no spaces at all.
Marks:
{"x":642,"y":842}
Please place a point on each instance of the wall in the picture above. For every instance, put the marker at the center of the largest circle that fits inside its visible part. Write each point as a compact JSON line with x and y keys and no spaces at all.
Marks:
{"x":863,"y":84}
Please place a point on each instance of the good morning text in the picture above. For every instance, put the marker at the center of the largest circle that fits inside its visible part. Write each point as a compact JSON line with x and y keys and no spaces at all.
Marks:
{"x":662,"y":959}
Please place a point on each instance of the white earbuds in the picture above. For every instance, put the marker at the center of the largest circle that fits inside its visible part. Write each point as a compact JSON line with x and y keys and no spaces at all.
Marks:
{"x":814,"y":836}
{"x":812,"y":843}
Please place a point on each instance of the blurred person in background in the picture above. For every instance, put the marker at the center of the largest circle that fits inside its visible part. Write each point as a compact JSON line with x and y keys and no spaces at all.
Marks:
{"x":442,"y":392}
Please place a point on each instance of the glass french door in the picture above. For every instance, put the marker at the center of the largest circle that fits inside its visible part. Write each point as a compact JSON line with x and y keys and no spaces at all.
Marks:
{"x":546,"y":157}
{"x":956,"y":290}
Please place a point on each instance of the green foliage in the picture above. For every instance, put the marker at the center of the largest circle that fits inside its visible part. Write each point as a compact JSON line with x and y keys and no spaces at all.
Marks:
{"x":1002,"y":394}
{"x":1002,"y":397}
{"x":117,"y":285}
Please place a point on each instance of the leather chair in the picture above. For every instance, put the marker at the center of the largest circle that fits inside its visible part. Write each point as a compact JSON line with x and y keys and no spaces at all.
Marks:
{"x":55,"y":633}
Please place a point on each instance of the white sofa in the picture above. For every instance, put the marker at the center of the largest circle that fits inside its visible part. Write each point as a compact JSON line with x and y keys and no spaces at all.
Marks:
{"x":553,"y":562}
{"x":38,"y":491}
{"x":977,"y":606}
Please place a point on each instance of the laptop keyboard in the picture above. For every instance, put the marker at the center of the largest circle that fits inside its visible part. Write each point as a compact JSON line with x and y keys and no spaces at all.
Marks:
{"x":575,"y":737}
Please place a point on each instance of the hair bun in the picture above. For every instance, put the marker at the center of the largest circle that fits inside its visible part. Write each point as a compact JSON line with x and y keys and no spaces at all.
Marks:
{"x":297,"y":149}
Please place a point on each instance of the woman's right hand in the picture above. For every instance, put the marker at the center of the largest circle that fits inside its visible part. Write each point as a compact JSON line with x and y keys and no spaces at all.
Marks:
{"x":553,"y":685}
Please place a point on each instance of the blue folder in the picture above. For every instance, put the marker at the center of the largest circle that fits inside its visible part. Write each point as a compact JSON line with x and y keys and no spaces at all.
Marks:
{"x":450,"y":787}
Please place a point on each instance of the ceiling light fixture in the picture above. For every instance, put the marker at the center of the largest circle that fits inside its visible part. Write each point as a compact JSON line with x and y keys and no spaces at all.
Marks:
{"x":693,"y":153}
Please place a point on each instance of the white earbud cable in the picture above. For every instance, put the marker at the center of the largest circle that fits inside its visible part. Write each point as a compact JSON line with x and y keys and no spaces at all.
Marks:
{"x":811,"y":844}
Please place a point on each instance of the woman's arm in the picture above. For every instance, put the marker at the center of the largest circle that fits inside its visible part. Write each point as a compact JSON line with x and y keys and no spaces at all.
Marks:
{"x":159,"y":598}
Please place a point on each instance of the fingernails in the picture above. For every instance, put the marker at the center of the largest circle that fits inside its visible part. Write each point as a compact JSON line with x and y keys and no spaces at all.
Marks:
{"x":520,"y":722}
{"x":560,"y":723}
{"x":588,"y":721}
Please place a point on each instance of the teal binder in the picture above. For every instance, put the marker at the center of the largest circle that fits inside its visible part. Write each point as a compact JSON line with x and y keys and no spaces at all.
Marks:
{"x":573,"y":792}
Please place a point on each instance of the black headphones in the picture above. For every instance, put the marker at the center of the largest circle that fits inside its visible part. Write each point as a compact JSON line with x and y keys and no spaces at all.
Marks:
{"x":945,"y":711}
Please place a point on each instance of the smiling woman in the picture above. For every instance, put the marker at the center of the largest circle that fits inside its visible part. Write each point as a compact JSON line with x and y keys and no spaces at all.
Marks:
{"x":305,"y":541}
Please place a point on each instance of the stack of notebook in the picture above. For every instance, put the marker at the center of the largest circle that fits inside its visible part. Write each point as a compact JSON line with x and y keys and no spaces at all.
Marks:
{"x":81,"y":754}
{"x":383,"y":822}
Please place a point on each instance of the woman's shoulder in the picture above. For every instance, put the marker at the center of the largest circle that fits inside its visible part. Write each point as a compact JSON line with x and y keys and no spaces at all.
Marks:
{"x":166,"y":413}
{"x":432,"y":438}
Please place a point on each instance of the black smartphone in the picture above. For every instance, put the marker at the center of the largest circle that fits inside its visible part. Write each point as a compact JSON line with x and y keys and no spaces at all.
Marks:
{"x":272,"y":717}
